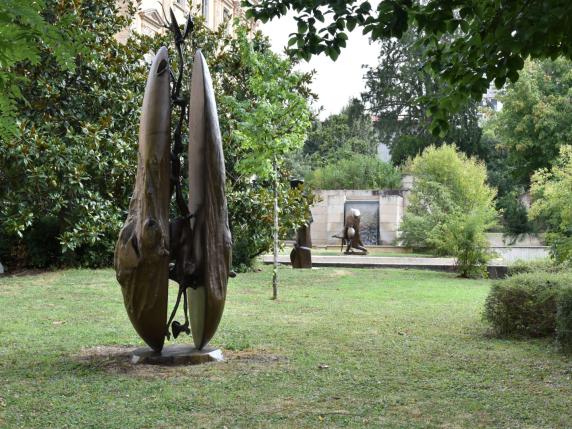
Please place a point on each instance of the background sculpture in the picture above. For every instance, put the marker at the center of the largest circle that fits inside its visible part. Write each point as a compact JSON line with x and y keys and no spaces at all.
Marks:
{"x":195,"y":248}
{"x":301,"y":254}
{"x":351,"y":236}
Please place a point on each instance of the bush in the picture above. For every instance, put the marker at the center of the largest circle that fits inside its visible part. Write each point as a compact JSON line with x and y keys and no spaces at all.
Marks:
{"x":552,"y":203}
{"x":451,"y":207}
{"x":526,"y":304}
{"x":564,"y":319}
{"x":535,"y":266}
{"x":463,"y":237}
{"x":356,"y":172}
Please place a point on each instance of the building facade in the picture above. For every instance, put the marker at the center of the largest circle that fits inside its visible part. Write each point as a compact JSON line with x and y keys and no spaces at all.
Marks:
{"x":150,"y":16}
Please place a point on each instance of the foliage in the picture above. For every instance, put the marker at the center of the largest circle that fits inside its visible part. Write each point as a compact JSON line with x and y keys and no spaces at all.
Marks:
{"x":552,"y":202}
{"x":396,"y":92}
{"x":509,"y":202}
{"x":251,"y":214}
{"x":461,"y":235}
{"x":450,"y":207}
{"x":356,"y":172}
{"x":540,"y":265}
{"x":564,"y":319}
{"x":28,"y":27}
{"x":342,"y":135}
{"x":67,"y":177}
{"x":525,"y":304}
{"x":269,"y":116}
{"x":536,"y":118}
{"x":469,"y":43}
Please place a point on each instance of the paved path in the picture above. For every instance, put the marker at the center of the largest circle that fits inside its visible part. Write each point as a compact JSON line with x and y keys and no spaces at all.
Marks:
{"x":496,"y":268}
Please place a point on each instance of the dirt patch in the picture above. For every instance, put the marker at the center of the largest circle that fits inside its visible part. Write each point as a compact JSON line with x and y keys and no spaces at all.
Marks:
{"x":117,"y":360}
{"x":340,"y":273}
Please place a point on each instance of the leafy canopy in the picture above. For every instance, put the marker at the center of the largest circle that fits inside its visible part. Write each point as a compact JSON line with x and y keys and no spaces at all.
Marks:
{"x":469,"y":43}
{"x":25,"y":31}
{"x":397,"y":92}
{"x":536,"y":118}
{"x":342,"y":135}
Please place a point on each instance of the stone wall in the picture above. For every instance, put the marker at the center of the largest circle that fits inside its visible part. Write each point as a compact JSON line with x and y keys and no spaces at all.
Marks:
{"x":328,"y":212}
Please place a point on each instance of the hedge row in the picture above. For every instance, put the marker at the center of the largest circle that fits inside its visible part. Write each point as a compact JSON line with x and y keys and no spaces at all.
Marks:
{"x":533,"y":304}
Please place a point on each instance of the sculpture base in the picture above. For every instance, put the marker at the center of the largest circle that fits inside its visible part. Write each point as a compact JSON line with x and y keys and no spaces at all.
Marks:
{"x":178,"y":354}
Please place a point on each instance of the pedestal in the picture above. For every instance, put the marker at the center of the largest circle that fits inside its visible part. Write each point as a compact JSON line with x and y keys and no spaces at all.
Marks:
{"x":178,"y":354}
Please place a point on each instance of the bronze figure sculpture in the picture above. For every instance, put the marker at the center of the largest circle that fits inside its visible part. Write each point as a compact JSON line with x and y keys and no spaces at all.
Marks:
{"x":351,"y":235}
{"x":301,"y":254}
{"x":195,"y":248}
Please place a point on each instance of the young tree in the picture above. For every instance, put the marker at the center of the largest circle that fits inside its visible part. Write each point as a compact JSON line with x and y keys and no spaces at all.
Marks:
{"x":273,"y":127}
{"x":552,"y":194}
{"x":450,"y":207}
{"x":486,"y":40}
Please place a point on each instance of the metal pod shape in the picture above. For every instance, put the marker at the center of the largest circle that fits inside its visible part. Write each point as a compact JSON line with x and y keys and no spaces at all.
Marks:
{"x":141,"y":254}
{"x":207,"y":201}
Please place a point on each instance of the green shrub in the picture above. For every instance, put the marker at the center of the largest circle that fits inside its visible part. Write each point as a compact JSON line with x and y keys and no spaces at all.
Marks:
{"x":450,"y":208}
{"x":538,"y":265}
{"x":525,"y":304}
{"x":564,"y":318}
{"x":356,"y":172}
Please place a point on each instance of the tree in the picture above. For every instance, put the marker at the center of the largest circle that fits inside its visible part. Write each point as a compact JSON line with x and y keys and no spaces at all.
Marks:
{"x":342,"y":135}
{"x":552,"y":202}
{"x":65,"y":181}
{"x":66,"y":176}
{"x":536,"y":118}
{"x":396,"y":92}
{"x":450,"y":207}
{"x":271,"y":128}
{"x":486,"y":40}
{"x":25,"y":30}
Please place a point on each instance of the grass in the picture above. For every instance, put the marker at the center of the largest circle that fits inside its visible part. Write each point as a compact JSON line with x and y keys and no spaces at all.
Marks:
{"x":403,"y":348}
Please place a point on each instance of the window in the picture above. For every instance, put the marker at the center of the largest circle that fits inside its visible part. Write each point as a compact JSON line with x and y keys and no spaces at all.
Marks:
{"x":205,"y":8}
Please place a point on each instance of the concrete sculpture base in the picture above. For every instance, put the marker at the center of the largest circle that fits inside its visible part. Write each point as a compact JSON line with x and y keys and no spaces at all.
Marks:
{"x":178,"y":354}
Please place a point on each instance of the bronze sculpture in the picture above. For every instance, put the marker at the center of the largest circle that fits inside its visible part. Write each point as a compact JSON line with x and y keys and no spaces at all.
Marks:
{"x":142,"y":251}
{"x":301,"y":254}
{"x":351,"y":235}
{"x":195,"y":248}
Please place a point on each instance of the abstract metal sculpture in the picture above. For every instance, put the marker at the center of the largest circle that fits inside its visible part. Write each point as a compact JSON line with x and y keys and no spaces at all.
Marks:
{"x":351,"y":235}
{"x":142,"y":251}
{"x":195,"y":248}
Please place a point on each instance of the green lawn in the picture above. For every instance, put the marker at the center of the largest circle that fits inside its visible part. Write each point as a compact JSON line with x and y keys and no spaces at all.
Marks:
{"x":402,"y":349}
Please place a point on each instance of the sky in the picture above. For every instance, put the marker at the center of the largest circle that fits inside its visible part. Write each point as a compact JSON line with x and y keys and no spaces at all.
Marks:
{"x":334,"y":82}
